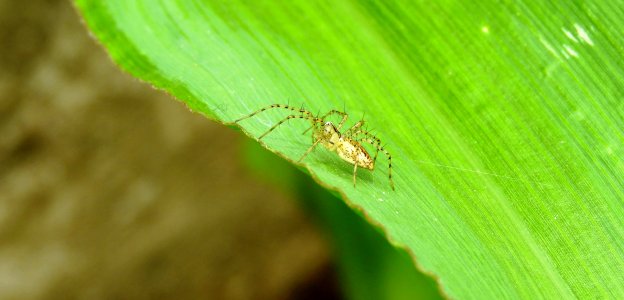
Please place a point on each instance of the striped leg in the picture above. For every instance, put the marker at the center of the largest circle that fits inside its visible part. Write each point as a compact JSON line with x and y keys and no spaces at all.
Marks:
{"x":332,"y":112}
{"x":312,"y":119}
{"x":355,"y":129}
{"x":376,"y":143}
{"x":282,"y":106}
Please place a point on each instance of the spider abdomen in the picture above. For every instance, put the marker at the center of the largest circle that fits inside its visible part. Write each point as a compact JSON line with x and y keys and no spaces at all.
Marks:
{"x":354,"y":153}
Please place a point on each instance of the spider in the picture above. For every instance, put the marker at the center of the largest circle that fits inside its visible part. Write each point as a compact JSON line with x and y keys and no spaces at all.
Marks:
{"x":348,"y":144}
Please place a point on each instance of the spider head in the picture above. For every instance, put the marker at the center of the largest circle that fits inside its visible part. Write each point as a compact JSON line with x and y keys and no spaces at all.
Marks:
{"x":329,"y":134}
{"x":329,"y":130}
{"x":328,"y":127}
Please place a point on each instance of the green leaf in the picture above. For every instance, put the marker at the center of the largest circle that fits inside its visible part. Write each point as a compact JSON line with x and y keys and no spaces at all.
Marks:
{"x":368,"y":266}
{"x":504,"y":119}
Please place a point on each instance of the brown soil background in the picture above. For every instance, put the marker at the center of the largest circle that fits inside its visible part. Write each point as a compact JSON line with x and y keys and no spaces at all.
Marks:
{"x":110,"y":189}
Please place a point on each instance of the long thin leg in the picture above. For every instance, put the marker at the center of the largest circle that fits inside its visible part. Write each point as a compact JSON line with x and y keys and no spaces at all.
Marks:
{"x":376,"y":144}
{"x":344,"y":117}
{"x":354,"y":173}
{"x":333,"y":112}
{"x":283,"y":106}
{"x":309,"y":150}
{"x":354,"y":129}
{"x":312,"y":119}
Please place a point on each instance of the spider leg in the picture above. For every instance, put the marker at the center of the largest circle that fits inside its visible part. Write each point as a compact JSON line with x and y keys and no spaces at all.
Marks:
{"x":282,"y":106}
{"x":355,"y":128}
{"x":309,"y":150}
{"x":354,"y":173}
{"x":333,"y":112}
{"x":377,"y":144}
{"x":312,"y":119}
{"x":306,"y":131}
{"x":344,"y":118}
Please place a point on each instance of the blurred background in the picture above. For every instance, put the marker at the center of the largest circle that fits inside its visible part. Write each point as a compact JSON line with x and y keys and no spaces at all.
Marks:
{"x":111,"y":189}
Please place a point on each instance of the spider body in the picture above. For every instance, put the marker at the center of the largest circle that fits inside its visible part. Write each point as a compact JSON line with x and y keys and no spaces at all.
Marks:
{"x":346,"y":148}
{"x":347,"y":144}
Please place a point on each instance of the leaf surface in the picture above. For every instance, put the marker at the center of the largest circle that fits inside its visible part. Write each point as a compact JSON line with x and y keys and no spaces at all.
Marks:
{"x":504,"y":119}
